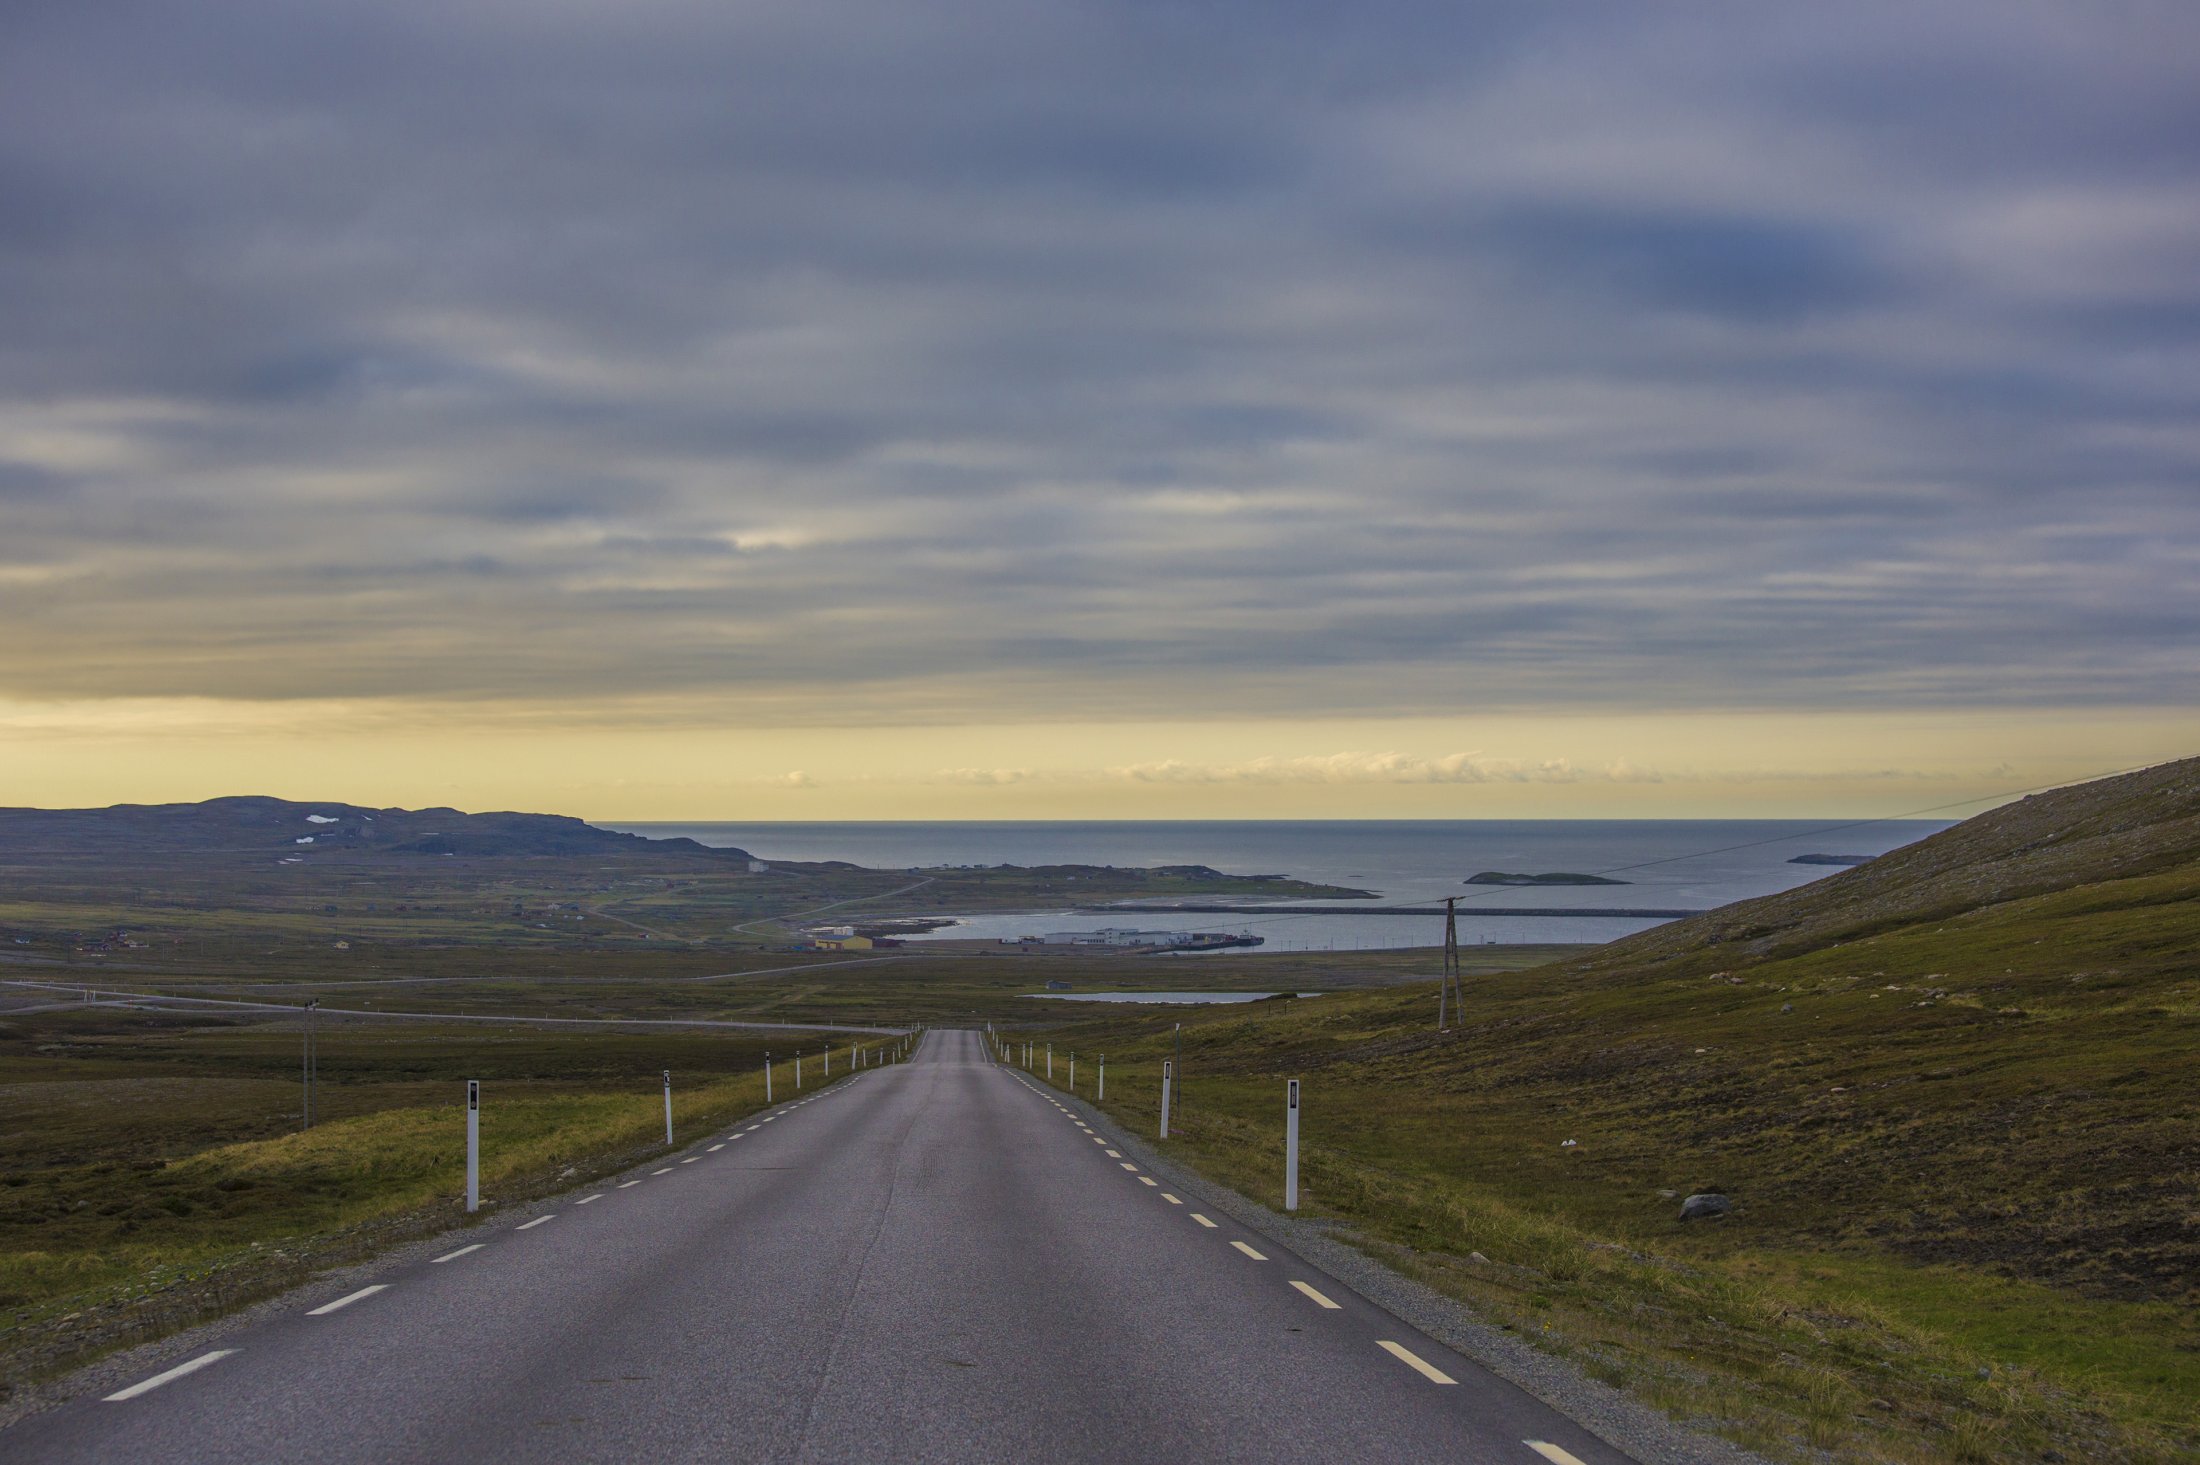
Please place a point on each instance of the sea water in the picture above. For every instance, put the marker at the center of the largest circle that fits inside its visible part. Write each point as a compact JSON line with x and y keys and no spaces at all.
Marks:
{"x":1669,"y":864}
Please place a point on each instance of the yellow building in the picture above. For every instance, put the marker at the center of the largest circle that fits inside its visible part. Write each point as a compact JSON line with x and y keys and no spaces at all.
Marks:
{"x":842,"y":943}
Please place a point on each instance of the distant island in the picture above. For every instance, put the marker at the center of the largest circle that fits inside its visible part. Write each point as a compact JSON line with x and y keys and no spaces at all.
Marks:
{"x":1561,"y":877}
{"x":1833,"y":859}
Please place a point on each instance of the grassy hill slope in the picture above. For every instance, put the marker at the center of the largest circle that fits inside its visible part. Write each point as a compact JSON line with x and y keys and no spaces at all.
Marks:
{"x":1950,"y":1094}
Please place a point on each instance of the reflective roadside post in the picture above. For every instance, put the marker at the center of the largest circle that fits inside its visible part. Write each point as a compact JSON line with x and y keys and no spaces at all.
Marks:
{"x":798,"y":1073}
{"x":668,"y":1106}
{"x":1102,"y":1092}
{"x":1167,"y":1069}
{"x":473,"y":1145}
{"x":1050,"y":1063}
{"x":828,"y":1060}
{"x":1073,"y":1070}
{"x":767,"y":1078}
{"x":1291,"y":1146}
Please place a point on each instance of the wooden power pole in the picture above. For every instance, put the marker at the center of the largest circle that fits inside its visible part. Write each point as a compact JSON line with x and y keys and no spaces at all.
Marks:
{"x":1452,"y":998}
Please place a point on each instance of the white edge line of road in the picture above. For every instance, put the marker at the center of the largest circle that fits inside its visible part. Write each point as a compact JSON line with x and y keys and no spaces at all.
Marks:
{"x":328,"y":1307}
{"x":531,"y":1225}
{"x":169,"y":1377}
{"x":452,"y":1256}
{"x":1553,"y":1453}
{"x":1415,"y":1362}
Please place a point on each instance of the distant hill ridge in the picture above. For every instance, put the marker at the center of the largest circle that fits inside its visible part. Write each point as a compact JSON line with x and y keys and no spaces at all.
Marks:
{"x":283,"y":827}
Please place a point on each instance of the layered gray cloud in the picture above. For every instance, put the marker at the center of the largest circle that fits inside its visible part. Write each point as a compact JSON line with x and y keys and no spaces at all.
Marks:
{"x":870,"y":361}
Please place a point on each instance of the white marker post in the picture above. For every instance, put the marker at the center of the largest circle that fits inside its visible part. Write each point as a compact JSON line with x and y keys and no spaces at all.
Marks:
{"x":1073,"y":1073}
{"x":668,"y":1106}
{"x":828,"y":1060}
{"x":1166,"y":1067}
{"x":473,"y":1144}
{"x":767,"y":1078}
{"x":1103,"y":1090}
{"x":1291,"y":1146}
{"x":1050,"y":1063}
{"x":798,"y":1073}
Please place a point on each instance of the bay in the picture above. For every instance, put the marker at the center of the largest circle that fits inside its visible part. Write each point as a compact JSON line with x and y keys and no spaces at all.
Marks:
{"x":1680,"y":864}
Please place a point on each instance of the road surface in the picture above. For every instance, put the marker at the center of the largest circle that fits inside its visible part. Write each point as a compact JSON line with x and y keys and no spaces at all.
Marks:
{"x":933,"y":1261}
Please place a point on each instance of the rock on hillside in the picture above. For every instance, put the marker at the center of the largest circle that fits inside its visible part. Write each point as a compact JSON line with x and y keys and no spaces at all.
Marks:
{"x":266,"y":826}
{"x":2111,"y":829}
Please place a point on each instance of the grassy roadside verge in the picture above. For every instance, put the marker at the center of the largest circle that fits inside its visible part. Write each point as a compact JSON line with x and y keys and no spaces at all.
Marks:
{"x":1838,"y":1352}
{"x":146,"y":1229}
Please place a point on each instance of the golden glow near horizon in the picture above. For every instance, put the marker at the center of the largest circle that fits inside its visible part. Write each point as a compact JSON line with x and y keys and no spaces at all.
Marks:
{"x":1446,"y":424}
{"x":677,"y":765}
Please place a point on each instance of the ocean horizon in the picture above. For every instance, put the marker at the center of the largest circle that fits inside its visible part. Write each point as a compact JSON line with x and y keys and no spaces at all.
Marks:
{"x":1679,"y":864}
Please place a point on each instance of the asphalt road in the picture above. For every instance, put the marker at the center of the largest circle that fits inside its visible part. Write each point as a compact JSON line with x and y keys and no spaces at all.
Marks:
{"x":933,"y":1261}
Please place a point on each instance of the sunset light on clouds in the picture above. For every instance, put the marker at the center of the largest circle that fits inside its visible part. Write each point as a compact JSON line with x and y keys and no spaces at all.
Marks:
{"x":1067,"y":411}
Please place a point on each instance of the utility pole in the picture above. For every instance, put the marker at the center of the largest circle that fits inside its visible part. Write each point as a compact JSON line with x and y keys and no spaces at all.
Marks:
{"x":309,"y":1069}
{"x":1452,"y":998}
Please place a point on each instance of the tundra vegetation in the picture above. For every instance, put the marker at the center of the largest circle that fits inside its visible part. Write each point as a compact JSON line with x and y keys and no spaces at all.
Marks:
{"x":1948,"y":1094}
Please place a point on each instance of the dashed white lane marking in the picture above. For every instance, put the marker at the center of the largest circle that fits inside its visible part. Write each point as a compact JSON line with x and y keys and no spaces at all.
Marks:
{"x":1553,"y":1453}
{"x":714,"y":1149}
{"x":584,"y":1200}
{"x":1415,"y":1362}
{"x":1172,"y":1200}
{"x":328,"y":1307}
{"x":1319,"y":1300}
{"x":1203,"y":1220}
{"x":1115,"y":1154}
{"x":666,"y":1171}
{"x":691,"y":1159}
{"x":628,"y":1184}
{"x":752,"y":1129}
{"x":1127,"y":1164}
{"x":538,"y":1221}
{"x":169,"y":1377}
{"x":453,"y":1256}
{"x":1147,"y":1180}
{"x":1241,"y":1246}
{"x":1096,"y":1139}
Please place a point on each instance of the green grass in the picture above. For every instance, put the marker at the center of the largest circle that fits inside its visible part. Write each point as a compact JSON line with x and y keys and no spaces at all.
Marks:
{"x":1963,"y":1152}
{"x":152,"y":1172}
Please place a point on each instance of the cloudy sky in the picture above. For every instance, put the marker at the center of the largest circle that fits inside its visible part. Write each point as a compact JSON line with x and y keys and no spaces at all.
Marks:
{"x":997,"y":408}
